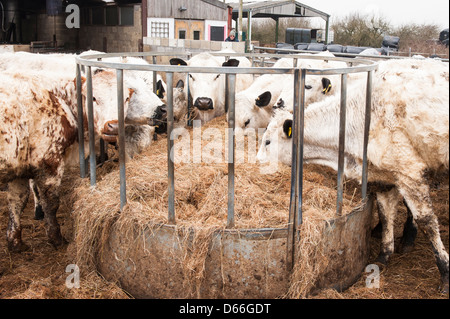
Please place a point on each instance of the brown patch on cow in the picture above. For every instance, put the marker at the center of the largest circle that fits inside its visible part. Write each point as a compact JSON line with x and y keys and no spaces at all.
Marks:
{"x":445,"y":75}
{"x":130,"y":93}
{"x":415,"y":67}
{"x":51,"y":163}
{"x":400,"y":110}
{"x":34,"y":96}
{"x":69,"y":132}
{"x":54,"y":102}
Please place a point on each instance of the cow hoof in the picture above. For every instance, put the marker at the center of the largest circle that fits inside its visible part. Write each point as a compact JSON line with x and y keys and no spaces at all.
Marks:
{"x":57,"y":241}
{"x":444,"y":285}
{"x":38,"y":213}
{"x":17,"y":247}
{"x":406,"y":248}
{"x":382,"y":259}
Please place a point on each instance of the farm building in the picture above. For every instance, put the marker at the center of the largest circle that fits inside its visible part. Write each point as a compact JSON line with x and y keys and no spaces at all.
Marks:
{"x":134,"y":25}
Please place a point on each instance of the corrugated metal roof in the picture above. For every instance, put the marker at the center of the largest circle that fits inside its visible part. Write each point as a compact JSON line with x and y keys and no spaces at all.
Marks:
{"x":277,"y":9}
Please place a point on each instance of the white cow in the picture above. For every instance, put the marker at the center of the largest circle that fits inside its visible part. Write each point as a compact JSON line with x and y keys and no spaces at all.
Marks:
{"x":254,"y":105}
{"x":38,"y":120}
{"x":208,"y":90}
{"x":409,"y":136}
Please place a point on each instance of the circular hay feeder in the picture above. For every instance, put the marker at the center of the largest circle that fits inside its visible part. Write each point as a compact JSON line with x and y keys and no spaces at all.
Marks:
{"x":238,"y":264}
{"x":226,"y":240}
{"x":199,"y":257}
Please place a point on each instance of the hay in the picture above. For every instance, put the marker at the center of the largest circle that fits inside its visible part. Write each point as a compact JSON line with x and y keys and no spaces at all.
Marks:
{"x":261,"y":201}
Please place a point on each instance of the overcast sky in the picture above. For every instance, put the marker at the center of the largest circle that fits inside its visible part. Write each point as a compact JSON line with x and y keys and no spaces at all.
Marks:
{"x":397,"y":12}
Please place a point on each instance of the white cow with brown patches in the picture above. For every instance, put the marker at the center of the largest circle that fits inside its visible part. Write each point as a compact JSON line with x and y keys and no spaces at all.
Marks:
{"x":38,"y":136}
{"x":409,"y":137}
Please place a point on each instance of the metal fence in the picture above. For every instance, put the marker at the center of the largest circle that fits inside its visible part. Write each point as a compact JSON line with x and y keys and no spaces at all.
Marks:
{"x":295,"y":209}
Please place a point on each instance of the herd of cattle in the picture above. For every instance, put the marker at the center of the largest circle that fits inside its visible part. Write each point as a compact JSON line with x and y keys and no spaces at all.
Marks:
{"x":409,"y":132}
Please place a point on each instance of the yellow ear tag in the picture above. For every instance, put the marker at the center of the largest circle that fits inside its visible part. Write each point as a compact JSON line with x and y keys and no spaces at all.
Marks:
{"x":179,"y":64}
{"x":157,"y":92}
{"x":290,"y":132}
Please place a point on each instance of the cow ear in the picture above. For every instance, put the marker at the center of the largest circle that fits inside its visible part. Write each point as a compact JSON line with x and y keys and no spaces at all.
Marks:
{"x":263,"y":99}
{"x":177,"y":61}
{"x":231,"y":62}
{"x":83,"y":80}
{"x":160,"y":89}
{"x":130,"y":93}
{"x":287,"y":128}
{"x":180,"y":84}
{"x":326,"y":85}
{"x":97,"y":71}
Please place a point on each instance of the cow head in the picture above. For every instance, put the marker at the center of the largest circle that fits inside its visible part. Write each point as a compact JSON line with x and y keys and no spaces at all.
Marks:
{"x":276,"y":142}
{"x":139,"y":103}
{"x":207,"y":89}
{"x":253,"y":110}
{"x":104,"y":101}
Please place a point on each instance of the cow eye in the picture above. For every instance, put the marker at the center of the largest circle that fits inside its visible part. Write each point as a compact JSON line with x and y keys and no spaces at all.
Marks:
{"x":247,"y":122}
{"x":267,"y":142}
{"x":217,"y":77}
{"x":308,"y":87}
{"x":94,"y":99}
{"x":191,"y":77}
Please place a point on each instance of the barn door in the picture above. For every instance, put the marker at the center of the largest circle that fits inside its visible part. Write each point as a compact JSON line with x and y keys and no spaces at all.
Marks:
{"x":190,"y":29}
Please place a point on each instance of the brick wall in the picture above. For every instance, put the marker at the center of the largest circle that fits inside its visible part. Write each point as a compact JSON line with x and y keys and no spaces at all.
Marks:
{"x":113,"y":38}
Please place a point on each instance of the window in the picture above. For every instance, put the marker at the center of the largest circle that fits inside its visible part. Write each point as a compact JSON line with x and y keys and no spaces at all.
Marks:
{"x":217,"y":33}
{"x":159,"y":29}
{"x":181,"y":34}
{"x":85,"y":16}
{"x":112,"y":15}
{"x":196,"y":35}
{"x":126,"y":16}
{"x":98,"y":16}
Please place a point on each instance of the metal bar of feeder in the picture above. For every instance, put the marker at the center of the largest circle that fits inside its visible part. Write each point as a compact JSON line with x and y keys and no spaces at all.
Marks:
{"x":121,"y":118}
{"x":341,"y":157}
{"x":366,"y":134}
{"x":90,"y":107}
{"x":171,"y":217}
{"x":80,"y":124}
{"x":301,"y":131}
{"x":290,"y":242}
{"x":231,"y":155}
{"x":154,"y":75}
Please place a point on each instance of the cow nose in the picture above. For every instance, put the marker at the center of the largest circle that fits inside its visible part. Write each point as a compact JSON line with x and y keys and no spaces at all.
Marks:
{"x":110,"y":131}
{"x":204,"y":103}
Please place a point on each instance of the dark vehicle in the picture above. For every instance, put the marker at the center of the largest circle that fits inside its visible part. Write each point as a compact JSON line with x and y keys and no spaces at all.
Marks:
{"x":443,"y":37}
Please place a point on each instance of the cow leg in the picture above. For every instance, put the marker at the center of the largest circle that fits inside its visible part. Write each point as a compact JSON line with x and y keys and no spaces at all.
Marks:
{"x":387,"y":209}
{"x":18,"y":193}
{"x":409,"y":232}
{"x":418,"y":200}
{"x":50,"y":203}
{"x":38,"y":212}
